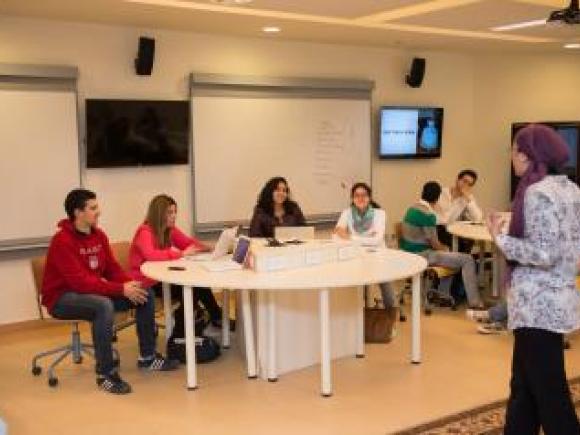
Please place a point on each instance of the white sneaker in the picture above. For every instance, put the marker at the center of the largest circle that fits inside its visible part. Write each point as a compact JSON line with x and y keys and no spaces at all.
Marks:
{"x":492,"y":328}
{"x":477,"y":315}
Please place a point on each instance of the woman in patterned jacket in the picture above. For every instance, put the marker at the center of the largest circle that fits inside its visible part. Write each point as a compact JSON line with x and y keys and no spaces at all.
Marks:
{"x":543,"y":248}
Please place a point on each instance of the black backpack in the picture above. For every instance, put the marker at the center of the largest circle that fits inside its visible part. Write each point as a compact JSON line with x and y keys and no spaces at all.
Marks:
{"x":206,"y":349}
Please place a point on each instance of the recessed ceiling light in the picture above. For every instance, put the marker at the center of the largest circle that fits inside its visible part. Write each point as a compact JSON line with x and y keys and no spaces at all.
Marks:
{"x":521,"y":25}
{"x":231,"y":2}
{"x":572,"y":45}
{"x":271,"y":29}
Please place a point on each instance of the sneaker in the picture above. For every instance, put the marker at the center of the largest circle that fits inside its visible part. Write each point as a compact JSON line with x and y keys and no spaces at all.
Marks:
{"x":477,"y":315}
{"x":157,"y":363}
{"x":113,"y":384}
{"x":492,"y":328}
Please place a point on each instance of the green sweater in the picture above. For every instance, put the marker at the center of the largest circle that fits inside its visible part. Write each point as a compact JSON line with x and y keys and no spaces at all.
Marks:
{"x":419,"y":226}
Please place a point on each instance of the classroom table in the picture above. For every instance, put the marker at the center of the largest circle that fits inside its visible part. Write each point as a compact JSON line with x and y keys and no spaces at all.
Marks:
{"x":380,"y":265}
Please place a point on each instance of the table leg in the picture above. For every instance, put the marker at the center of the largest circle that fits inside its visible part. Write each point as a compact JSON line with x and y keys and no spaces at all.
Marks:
{"x":454,"y":243}
{"x":272,"y":375}
{"x":326,"y":386}
{"x":189,"y":315}
{"x":495,"y":275}
{"x":225,"y":318}
{"x":360,"y":323}
{"x":416,"y":320}
{"x":249,"y":335}
{"x":167,"y":310}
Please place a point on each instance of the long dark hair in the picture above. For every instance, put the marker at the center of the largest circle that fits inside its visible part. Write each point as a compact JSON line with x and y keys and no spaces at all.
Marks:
{"x":266,"y":200}
{"x":366,"y":187}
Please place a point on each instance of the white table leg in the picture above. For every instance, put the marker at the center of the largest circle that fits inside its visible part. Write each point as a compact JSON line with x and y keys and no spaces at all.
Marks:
{"x":189,"y":315}
{"x":326,"y":387}
{"x":249,"y":335}
{"x":495,"y":275}
{"x":454,"y":243}
{"x":272,"y":369}
{"x":416,"y":320}
{"x":167,"y":310}
{"x":360,"y":323}
{"x":225,"y":318}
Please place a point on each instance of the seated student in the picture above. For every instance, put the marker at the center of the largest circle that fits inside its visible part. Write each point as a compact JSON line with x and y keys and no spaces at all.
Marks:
{"x":157,"y":239}
{"x":419,"y":235}
{"x":275,"y":208}
{"x":82,"y":281}
{"x":364,"y":222}
{"x":457,"y":203}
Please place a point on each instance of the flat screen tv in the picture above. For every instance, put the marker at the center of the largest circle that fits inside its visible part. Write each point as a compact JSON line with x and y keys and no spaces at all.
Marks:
{"x":570,"y":132}
{"x":410,"y":132}
{"x":137,"y":133}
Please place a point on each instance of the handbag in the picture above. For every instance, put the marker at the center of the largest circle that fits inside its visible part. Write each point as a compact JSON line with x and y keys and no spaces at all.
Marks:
{"x":379,"y":322}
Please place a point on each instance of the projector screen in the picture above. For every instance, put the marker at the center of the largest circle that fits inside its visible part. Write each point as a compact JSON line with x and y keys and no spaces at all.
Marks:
{"x":320,"y":145}
{"x":410,"y":132}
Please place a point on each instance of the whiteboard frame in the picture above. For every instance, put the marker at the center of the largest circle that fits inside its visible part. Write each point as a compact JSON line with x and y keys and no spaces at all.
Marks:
{"x":203,"y":84}
{"x":40,"y":77}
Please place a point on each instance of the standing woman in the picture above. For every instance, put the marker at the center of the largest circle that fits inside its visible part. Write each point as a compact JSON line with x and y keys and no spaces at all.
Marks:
{"x":542,"y":247}
{"x":275,"y":208}
{"x":158,"y":239}
{"x":364,"y":222}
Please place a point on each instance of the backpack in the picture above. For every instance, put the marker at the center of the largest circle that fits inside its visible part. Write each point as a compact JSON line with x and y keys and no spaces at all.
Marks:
{"x":206,"y":349}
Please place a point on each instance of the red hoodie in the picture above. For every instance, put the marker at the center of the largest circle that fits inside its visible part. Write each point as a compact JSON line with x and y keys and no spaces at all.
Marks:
{"x":81,"y":263}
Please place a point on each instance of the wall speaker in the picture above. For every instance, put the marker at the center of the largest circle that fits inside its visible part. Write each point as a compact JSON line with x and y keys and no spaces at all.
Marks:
{"x":145,"y":56}
{"x":415,"y":76}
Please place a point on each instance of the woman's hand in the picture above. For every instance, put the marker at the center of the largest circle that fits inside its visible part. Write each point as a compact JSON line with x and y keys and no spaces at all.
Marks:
{"x":342,"y":233}
{"x":190,"y":250}
{"x":494,"y":222}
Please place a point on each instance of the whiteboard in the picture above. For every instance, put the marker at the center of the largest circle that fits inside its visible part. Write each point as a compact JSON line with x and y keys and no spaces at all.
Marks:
{"x":39,"y":161}
{"x":320,"y":145}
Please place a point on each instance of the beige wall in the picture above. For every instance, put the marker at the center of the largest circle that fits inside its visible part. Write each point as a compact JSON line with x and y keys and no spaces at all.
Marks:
{"x":480,"y":94}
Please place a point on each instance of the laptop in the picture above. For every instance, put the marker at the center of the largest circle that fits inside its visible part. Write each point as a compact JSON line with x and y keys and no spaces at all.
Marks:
{"x":294,"y":233}
{"x":223,"y":245}
{"x":235,"y":262}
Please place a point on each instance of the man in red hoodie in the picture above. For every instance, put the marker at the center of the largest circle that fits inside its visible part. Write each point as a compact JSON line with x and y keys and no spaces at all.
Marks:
{"x":82,"y":280}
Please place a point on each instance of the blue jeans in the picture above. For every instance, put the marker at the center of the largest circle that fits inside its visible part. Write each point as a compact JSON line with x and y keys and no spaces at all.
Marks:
{"x":499,"y":312}
{"x":100,"y":311}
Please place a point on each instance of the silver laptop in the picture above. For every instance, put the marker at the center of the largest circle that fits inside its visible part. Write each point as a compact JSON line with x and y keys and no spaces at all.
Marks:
{"x":294,"y":233}
{"x":223,"y":245}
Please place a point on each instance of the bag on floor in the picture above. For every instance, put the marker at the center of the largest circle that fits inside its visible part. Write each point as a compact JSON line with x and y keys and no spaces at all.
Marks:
{"x":206,"y":349}
{"x":379,"y":323}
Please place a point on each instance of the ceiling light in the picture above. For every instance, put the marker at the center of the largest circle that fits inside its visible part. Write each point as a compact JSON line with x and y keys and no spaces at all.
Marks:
{"x":572,"y":45}
{"x":521,"y":25}
{"x":231,"y":2}
{"x":271,"y":29}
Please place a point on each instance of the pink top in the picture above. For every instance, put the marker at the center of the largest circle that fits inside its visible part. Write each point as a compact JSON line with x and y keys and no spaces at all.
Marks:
{"x":145,"y":248}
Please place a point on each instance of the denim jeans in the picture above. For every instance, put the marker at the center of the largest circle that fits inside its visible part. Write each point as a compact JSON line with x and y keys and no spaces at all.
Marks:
{"x":499,"y":312}
{"x":100,"y":311}
{"x":457,"y":260}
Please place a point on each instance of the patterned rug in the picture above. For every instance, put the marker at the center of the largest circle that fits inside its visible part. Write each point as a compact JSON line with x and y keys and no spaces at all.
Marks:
{"x":483,"y":420}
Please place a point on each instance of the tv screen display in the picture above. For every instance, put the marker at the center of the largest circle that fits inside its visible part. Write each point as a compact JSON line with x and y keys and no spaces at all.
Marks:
{"x":137,"y":133}
{"x":410,"y":132}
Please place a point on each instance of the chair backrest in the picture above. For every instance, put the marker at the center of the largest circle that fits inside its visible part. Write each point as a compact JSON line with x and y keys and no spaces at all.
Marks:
{"x":37,"y":264}
{"x":399,"y":231}
{"x":121,"y":253}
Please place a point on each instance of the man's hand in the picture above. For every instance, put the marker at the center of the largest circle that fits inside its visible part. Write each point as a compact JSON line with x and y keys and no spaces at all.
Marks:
{"x":133,"y":292}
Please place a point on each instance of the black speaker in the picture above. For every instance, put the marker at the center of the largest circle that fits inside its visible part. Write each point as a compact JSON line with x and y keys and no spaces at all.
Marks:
{"x":145,"y":56}
{"x":415,"y":76}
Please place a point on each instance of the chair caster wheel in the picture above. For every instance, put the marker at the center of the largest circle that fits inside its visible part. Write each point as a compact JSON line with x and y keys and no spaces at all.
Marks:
{"x":52,"y":382}
{"x":36,"y":370}
{"x":428,"y":311}
{"x":79,"y":360}
{"x":402,"y":318}
{"x":567,"y":345}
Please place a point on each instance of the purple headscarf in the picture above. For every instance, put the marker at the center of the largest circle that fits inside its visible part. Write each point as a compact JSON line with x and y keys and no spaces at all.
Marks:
{"x":546,"y":149}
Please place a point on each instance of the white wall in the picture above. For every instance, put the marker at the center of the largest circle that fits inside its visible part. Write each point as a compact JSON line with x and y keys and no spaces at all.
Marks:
{"x":480,"y":99}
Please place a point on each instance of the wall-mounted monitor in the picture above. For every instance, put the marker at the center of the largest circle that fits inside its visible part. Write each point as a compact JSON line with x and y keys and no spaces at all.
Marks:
{"x":410,"y":132}
{"x":136,"y":133}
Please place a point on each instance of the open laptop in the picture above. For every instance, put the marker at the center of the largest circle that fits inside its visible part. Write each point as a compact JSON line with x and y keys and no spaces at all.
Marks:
{"x":235,"y":262}
{"x":223,"y":245}
{"x":294,"y":233}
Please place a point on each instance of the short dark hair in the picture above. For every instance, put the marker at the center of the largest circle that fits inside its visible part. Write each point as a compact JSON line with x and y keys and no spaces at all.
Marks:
{"x":431,"y":192}
{"x":77,"y":200}
{"x":469,"y":172}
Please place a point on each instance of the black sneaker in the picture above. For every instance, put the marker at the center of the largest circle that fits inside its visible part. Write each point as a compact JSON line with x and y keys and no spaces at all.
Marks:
{"x":158,"y":363}
{"x":113,"y":384}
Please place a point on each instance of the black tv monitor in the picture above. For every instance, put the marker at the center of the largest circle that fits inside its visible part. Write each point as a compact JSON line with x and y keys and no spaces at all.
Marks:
{"x":570,"y":132}
{"x":137,"y":133}
{"x":410,"y":132}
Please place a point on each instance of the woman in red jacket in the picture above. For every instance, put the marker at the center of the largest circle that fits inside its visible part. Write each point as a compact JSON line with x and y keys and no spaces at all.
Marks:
{"x":158,"y":239}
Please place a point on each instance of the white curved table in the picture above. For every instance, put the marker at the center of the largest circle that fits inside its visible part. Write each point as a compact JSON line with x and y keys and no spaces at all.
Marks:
{"x":479,"y":233}
{"x":370,"y":268}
